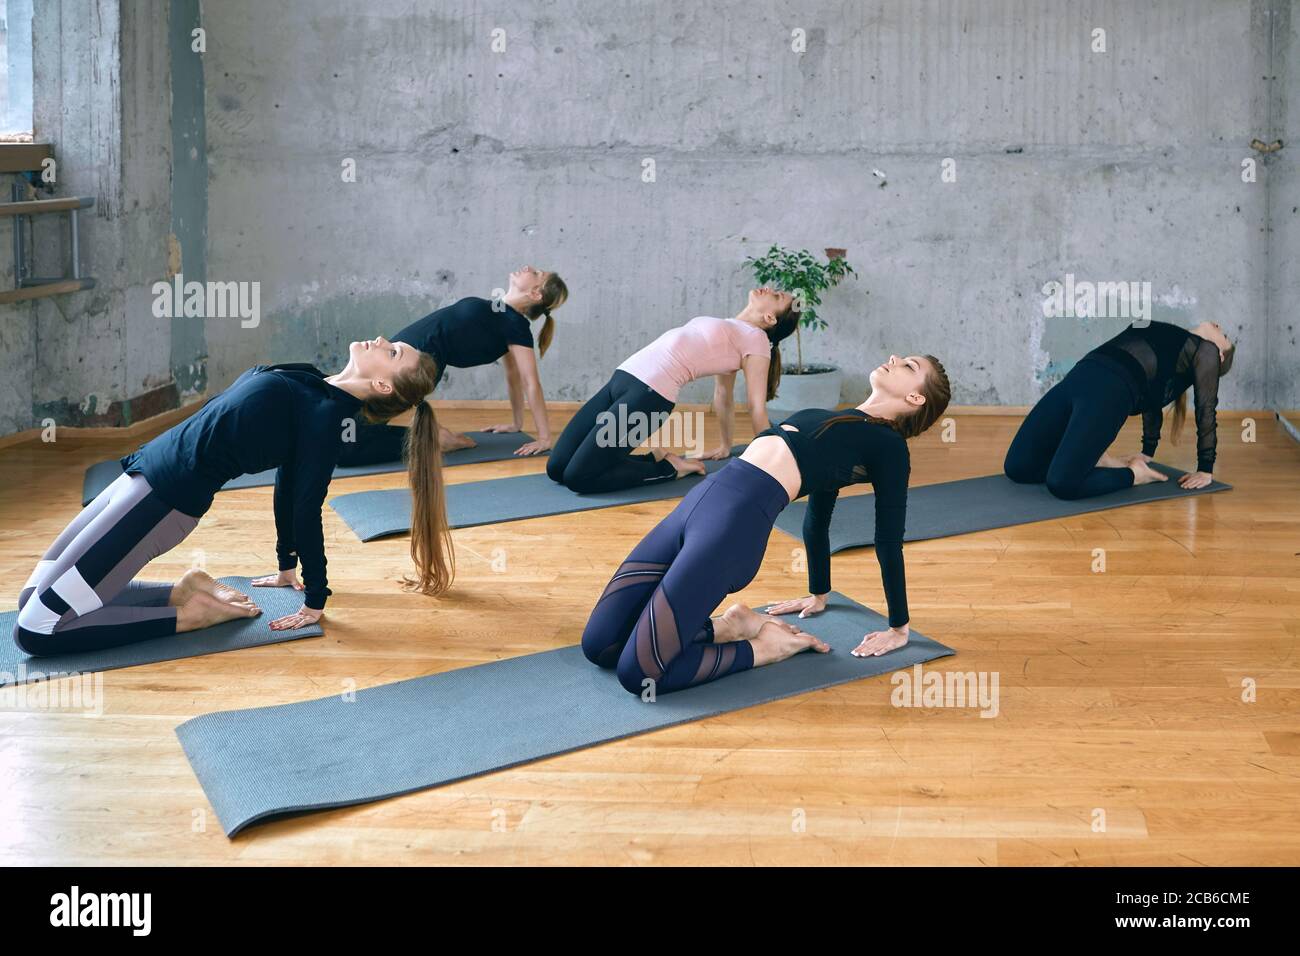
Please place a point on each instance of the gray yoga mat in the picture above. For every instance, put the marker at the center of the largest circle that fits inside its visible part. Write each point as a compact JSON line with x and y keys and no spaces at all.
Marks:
{"x":415,"y":734}
{"x":975,"y":504}
{"x":18,"y":668}
{"x":492,"y":446}
{"x":378,"y":514}
{"x":1288,"y":426}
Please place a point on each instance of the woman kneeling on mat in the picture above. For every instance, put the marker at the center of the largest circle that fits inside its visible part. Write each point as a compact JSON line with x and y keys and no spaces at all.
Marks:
{"x":594,"y":452}
{"x":472,"y":332}
{"x":82,"y":595}
{"x":652,"y":622}
{"x":1064,"y":439}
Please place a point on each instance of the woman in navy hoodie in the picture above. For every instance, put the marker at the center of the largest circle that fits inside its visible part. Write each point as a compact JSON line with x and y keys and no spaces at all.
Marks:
{"x":83,"y":594}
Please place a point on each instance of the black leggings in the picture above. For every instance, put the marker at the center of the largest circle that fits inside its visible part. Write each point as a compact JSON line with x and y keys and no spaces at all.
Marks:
{"x":594,"y":450}
{"x":652,"y":621}
{"x":1069,"y":429}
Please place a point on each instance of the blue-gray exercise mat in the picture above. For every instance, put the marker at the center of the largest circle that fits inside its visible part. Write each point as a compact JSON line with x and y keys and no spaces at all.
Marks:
{"x":490,"y":446}
{"x":18,"y":668}
{"x":378,"y":514}
{"x":975,"y":504}
{"x":399,"y":738}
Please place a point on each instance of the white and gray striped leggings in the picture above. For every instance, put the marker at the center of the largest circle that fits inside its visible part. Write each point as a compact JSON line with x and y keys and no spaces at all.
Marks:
{"x":82,"y":596}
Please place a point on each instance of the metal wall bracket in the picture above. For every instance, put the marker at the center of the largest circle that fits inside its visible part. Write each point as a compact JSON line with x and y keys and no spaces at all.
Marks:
{"x":22,"y":212}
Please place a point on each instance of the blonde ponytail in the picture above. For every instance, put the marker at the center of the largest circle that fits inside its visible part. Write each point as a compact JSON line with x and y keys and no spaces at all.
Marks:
{"x":554,"y":295}
{"x":431,"y":546}
{"x":544,"y":337}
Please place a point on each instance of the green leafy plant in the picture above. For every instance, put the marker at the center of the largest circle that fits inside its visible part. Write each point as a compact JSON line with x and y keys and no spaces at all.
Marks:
{"x":801,"y":274}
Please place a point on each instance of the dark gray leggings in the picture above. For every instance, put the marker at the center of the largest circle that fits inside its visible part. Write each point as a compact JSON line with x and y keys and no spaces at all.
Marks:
{"x":82,"y":596}
{"x":585,"y":460}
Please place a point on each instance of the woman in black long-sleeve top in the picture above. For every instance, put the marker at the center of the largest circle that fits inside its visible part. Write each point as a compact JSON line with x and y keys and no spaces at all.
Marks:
{"x":652,"y":622}
{"x":1064,"y":439}
{"x":294,"y":418}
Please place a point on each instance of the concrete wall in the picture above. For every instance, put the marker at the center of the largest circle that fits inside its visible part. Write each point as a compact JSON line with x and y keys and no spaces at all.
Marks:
{"x":104,"y":100}
{"x":1110,"y":166}
{"x":189,"y":191}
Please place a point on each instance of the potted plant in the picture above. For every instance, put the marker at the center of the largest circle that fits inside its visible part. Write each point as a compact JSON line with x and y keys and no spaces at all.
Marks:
{"x":803,"y":276}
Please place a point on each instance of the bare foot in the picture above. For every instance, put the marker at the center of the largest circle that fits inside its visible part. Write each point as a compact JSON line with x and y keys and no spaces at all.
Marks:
{"x":204,"y":610}
{"x":1144,"y":474}
{"x":1110,"y":461}
{"x":741,"y":623}
{"x":686,"y":466}
{"x":454,"y":442}
{"x":776,"y":643}
{"x":194,"y":582}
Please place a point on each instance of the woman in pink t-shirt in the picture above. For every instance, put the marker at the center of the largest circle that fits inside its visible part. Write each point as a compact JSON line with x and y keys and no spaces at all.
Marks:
{"x":594,"y":453}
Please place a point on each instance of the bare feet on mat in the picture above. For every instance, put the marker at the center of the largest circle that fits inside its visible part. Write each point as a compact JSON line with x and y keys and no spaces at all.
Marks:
{"x":204,"y":610}
{"x":1144,"y":474}
{"x":194,"y":582}
{"x":454,"y":442}
{"x":776,"y":642}
{"x":1111,"y":461}
{"x":741,"y":623}
{"x":686,"y":466}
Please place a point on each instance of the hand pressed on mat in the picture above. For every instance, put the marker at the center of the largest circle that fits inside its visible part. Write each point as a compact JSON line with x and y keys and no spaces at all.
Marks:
{"x":303,"y":617}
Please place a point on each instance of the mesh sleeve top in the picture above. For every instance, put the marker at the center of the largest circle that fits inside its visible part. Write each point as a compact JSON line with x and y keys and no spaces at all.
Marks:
{"x":1162,"y":361}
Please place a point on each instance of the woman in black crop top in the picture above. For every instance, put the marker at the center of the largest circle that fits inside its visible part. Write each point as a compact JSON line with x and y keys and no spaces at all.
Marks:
{"x":83,"y":596}
{"x":652,"y":622}
{"x":474,"y":331}
{"x":1065,"y":438}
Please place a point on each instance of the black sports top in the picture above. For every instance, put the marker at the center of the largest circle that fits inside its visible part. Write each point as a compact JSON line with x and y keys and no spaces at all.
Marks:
{"x":845,"y":454}
{"x":467,"y":333}
{"x":285,"y":417}
{"x":1161,"y":361}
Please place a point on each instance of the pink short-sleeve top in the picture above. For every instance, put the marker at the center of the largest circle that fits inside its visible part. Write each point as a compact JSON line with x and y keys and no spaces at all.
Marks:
{"x":703,"y":346}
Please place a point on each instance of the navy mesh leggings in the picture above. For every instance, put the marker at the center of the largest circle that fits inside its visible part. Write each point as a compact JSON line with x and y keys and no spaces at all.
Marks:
{"x":1069,"y":429}
{"x":652,"y":621}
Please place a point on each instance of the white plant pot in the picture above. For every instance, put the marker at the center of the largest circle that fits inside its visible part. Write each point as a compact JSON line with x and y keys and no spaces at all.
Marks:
{"x":820,"y":390}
